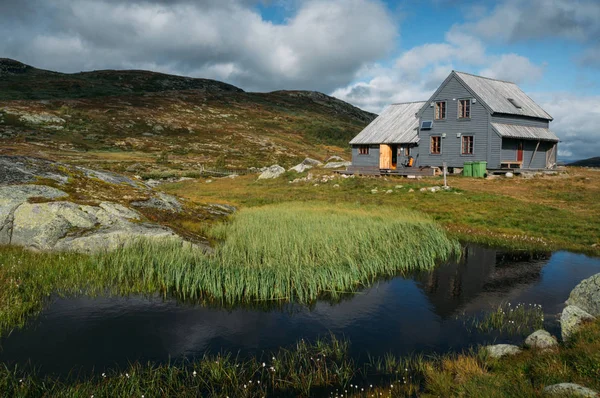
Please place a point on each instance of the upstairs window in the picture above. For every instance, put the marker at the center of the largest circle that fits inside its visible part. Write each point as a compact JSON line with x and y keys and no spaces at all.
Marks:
{"x":436,"y":145}
{"x":467,"y":144}
{"x":440,"y":110}
{"x":363,"y":150}
{"x":464,"y":108}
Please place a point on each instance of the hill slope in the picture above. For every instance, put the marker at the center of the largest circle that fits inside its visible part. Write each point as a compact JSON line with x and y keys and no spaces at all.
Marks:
{"x":158,"y":121}
{"x":591,"y":162}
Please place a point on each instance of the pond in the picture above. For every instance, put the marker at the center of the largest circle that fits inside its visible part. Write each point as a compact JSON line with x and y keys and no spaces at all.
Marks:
{"x":424,"y":313}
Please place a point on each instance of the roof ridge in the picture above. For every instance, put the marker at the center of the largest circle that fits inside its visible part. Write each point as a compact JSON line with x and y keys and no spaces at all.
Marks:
{"x":409,"y":102}
{"x":487,"y":78}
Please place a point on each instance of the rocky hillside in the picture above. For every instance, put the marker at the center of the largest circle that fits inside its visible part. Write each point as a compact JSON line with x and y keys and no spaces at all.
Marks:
{"x":152,"y":123}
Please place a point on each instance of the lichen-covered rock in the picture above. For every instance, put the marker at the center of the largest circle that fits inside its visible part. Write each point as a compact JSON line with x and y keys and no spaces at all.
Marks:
{"x":109,"y":177}
{"x":161,"y":201}
{"x":12,"y":197}
{"x":569,"y":390}
{"x":541,"y":339}
{"x":571,"y":320}
{"x":337,"y":165}
{"x":272,"y":172}
{"x":23,"y":170}
{"x":63,"y":225}
{"x":586,"y":295}
{"x":500,"y":350}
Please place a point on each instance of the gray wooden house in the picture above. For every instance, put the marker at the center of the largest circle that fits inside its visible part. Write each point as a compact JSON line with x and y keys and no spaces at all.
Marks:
{"x":468,"y":118}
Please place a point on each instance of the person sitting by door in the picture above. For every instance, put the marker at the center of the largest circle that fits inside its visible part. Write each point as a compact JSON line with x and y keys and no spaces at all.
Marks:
{"x":409,"y":162}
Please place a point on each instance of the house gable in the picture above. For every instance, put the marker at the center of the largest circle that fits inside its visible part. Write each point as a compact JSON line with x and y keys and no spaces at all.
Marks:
{"x":452,"y":75}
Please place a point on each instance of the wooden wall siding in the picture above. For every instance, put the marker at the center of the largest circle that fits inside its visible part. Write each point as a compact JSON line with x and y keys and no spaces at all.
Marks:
{"x":521,"y":121}
{"x":509,"y":152}
{"x":477,"y":126}
{"x":372,"y":159}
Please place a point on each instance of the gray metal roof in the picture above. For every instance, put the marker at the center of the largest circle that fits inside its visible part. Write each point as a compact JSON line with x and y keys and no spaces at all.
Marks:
{"x":496,"y":93}
{"x":524,"y":132}
{"x":397,"y":124}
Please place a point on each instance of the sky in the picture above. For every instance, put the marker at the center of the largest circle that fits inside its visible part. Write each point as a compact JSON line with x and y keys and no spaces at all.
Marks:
{"x":367,"y":52}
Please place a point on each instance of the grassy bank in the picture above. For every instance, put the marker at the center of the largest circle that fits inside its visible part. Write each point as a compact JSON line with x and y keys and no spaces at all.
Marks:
{"x":324,"y":368}
{"x":543,"y":213}
{"x":290,"y":252}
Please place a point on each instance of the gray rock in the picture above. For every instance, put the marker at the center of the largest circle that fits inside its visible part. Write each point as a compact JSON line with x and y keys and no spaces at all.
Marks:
{"x":335,"y":159}
{"x":12,"y":197}
{"x":23,"y":170}
{"x":41,"y":118}
{"x":109,"y":177}
{"x":337,"y":165}
{"x":63,"y":225}
{"x":500,"y":350}
{"x":300,"y":168}
{"x":571,"y":320}
{"x":569,"y":389}
{"x":509,"y":175}
{"x":586,"y":295}
{"x":306,"y":164}
{"x":272,"y":172}
{"x":162,"y":201}
{"x":541,"y":339}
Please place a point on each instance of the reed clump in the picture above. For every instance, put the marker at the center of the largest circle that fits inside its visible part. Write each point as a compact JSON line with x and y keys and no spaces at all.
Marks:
{"x":287,"y":252}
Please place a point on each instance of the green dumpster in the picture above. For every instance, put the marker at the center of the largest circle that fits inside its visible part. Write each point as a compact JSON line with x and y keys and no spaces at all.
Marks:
{"x":479,"y":169}
{"x":468,"y":169}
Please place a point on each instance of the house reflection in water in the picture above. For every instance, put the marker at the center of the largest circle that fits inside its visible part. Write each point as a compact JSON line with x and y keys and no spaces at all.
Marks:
{"x":482,"y":276}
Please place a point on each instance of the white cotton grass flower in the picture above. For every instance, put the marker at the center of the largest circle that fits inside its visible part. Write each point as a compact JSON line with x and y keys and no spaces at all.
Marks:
{"x":194,"y":373}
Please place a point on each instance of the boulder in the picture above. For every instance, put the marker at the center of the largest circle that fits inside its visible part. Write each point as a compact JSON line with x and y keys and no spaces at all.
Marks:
{"x":12,"y":197}
{"x":337,"y":165}
{"x":334,"y":159}
{"x":500,"y":350}
{"x":569,"y":390}
{"x":63,"y":225}
{"x":541,"y":339}
{"x":271,"y":172}
{"x":571,"y":320}
{"x":306,"y":164}
{"x":586,"y":295}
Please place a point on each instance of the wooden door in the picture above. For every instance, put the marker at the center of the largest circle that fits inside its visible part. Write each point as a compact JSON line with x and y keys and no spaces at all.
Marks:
{"x":520,"y":152}
{"x":385,"y":156}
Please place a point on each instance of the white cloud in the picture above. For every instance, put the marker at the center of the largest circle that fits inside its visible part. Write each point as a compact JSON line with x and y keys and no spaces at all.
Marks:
{"x":576,"y":122}
{"x":321,"y":46}
{"x":514,"y":68}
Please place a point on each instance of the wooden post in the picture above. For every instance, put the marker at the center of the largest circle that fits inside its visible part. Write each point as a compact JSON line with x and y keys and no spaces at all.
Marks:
{"x":534,"y":152}
{"x":445,"y":171}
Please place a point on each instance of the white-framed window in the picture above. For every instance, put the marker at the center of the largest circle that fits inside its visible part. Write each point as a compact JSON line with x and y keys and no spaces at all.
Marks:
{"x":440,"y":110}
{"x":435,"y":147}
{"x":464,"y":109}
{"x":467,"y":145}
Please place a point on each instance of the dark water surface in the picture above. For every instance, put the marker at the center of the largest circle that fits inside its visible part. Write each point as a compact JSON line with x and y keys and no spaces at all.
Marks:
{"x":402,"y":316}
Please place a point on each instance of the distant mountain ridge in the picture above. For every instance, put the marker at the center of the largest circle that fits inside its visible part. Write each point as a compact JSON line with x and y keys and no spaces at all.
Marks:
{"x":590,"y":162}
